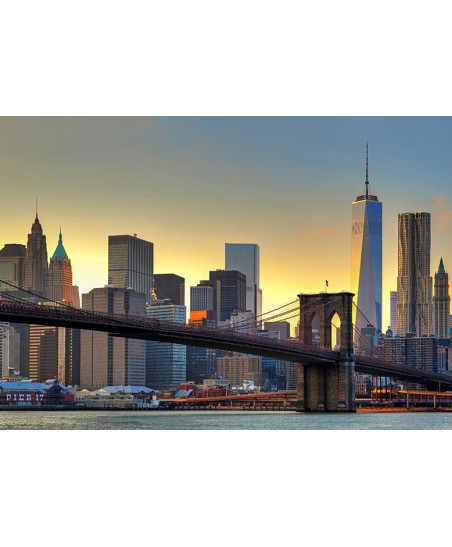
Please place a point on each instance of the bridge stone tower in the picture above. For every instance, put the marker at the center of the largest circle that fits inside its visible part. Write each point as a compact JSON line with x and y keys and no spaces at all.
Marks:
{"x":324,"y":386}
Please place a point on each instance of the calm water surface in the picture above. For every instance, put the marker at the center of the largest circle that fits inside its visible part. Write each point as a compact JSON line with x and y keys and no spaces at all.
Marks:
{"x":164,"y":420}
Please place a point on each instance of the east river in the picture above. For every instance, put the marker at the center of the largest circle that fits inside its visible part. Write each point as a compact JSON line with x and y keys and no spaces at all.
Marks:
{"x":221,"y":420}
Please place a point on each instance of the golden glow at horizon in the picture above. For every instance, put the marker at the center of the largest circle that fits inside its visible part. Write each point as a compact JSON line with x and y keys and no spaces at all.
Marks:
{"x":107,"y":177}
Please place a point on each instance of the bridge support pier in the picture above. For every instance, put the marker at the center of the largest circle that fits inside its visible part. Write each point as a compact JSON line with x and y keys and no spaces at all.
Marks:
{"x":326,"y":388}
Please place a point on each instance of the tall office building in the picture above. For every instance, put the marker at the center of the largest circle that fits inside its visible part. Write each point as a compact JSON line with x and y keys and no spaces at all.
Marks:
{"x":393,"y":310}
{"x":49,"y":354}
{"x":165,"y":362}
{"x":230,"y":291}
{"x":12,"y":266}
{"x":107,"y":360}
{"x":414,"y":284}
{"x":62,"y":290}
{"x":244,"y":257}
{"x":202,"y":297}
{"x":36,"y":265}
{"x":202,"y":362}
{"x":170,"y":287}
{"x":131,"y":264}
{"x":60,"y":274}
{"x":441,"y":303}
{"x":366,"y":264}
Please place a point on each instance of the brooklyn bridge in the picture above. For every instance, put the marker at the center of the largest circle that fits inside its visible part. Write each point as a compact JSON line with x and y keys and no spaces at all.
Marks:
{"x":326,"y":378}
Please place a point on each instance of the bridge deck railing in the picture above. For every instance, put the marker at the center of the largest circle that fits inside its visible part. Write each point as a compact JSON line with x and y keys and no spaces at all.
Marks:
{"x":82,"y":318}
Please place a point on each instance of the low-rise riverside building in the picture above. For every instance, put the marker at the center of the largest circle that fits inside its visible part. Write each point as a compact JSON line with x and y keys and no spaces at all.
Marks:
{"x":118,"y":397}
{"x":28,"y":393}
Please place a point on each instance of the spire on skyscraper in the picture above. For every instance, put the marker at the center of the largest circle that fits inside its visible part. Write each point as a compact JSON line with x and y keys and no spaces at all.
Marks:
{"x":441,"y":304}
{"x":367,"y":195}
{"x":36,"y":267}
{"x":60,"y":251}
{"x":60,"y":273}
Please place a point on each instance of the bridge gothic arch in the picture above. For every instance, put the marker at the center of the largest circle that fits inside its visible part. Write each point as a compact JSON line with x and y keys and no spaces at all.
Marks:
{"x":326,"y":387}
{"x":326,"y":305}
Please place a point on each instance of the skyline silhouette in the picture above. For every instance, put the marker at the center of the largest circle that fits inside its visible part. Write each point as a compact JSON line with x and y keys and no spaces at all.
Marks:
{"x":190,"y":185}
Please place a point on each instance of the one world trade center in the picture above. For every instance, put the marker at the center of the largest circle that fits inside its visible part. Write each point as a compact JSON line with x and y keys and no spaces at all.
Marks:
{"x":366,"y":259}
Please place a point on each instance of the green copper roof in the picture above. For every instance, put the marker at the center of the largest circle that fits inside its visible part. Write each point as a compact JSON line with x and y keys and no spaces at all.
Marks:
{"x":60,"y":252}
{"x":441,"y":270}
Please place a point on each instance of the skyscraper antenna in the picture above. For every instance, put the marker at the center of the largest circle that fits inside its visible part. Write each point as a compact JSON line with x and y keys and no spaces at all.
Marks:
{"x":36,"y":206}
{"x":367,"y":170}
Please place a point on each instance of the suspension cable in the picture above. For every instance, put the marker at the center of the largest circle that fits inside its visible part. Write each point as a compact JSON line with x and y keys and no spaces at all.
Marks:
{"x":249,"y":323}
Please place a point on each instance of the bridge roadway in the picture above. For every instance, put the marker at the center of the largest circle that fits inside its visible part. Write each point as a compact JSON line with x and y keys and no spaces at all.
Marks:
{"x":223,"y":339}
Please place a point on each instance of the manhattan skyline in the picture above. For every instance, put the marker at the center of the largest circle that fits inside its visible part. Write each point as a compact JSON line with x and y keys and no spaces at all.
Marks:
{"x":189,"y":185}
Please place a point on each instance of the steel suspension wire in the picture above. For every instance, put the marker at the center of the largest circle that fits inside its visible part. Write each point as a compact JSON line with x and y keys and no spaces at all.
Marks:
{"x":373,"y":326}
{"x":240,"y":325}
{"x":357,"y":332}
{"x":13,"y":298}
{"x":368,"y":322}
{"x":249,"y":323}
{"x":276,"y":309}
{"x":246,"y":323}
{"x":57,"y":304}
{"x":33,"y":294}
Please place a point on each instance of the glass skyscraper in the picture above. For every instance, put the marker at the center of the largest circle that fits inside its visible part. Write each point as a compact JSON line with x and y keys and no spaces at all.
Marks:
{"x":366,"y":266}
{"x":170,"y":286}
{"x":244,"y":257}
{"x":231,"y":286}
{"x":131,"y":263}
{"x":165,"y":362}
